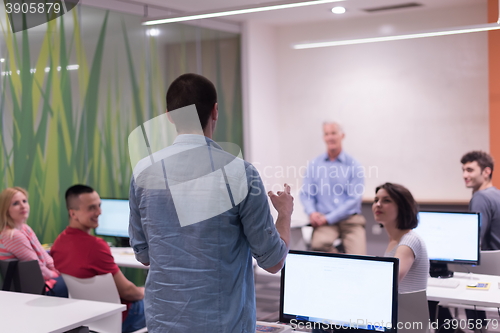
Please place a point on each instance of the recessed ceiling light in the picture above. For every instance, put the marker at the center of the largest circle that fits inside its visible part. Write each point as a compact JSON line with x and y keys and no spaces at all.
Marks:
{"x":338,"y":10}
{"x":241,"y":10}
{"x":152,"y":32}
{"x":441,"y":32}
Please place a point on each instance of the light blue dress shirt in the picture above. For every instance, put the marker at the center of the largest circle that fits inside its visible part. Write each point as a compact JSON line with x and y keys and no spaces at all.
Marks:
{"x":333,"y":188}
{"x":201,"y":275}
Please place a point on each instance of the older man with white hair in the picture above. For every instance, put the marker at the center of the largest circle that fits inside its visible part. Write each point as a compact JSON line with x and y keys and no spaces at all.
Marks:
{"x":331,"y":195}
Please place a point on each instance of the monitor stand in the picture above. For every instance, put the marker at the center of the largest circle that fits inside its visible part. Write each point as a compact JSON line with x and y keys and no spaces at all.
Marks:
{"x":122,"y":242}
{"x":440,"y":271}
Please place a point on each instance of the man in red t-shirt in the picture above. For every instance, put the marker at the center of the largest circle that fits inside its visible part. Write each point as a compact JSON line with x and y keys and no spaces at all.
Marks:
{"x":77,"y":253}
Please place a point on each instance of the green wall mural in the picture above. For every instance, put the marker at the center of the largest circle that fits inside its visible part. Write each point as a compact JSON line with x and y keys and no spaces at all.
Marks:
{"x":73,"y":89}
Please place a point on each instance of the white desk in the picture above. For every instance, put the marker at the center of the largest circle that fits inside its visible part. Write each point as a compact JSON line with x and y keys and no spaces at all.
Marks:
{"x":462,"y":295}
{"x":21,"y":313}
{"x":124,"y":257}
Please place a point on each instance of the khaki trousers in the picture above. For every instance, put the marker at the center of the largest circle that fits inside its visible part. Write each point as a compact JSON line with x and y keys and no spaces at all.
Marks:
{"x":351,"y":231}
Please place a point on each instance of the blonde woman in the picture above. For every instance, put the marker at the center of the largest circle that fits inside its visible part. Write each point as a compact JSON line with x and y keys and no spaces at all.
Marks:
{"x":18,"y":241}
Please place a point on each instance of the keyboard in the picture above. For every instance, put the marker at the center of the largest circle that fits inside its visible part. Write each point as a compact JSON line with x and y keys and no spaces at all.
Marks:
{"x":271,"y":327}
{"x":444,"y":283}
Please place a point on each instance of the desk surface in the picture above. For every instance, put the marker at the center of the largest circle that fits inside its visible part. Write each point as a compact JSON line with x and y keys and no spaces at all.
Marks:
{"x":23,"y":313}
{"x":462,"y":295}
{"x":124,"y":257}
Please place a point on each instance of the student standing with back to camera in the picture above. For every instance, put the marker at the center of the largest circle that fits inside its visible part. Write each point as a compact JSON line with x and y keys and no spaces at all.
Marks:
{"x":199,"y":249}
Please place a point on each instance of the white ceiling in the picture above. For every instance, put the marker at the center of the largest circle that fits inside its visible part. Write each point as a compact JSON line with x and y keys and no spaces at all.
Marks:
{"x":302,"y":14}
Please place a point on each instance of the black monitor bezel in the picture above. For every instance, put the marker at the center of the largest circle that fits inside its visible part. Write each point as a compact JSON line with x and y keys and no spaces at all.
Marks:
{"x":460,"y":261}
{"x":109,"y":235}
{"x":286,"y":318}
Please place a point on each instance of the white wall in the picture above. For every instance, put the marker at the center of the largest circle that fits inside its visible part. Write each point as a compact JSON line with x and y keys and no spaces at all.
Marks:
{"x":261,"y":110}
{"x":410,"y":108}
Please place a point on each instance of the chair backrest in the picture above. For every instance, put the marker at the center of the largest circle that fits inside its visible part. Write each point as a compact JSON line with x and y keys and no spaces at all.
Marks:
{"x":413,"y":312}
{"x":22,"y":276}
{"x":30,"y":276}
{"x":8,"y":268}
{"x":100,"y":288}
{"x":490,"y":264}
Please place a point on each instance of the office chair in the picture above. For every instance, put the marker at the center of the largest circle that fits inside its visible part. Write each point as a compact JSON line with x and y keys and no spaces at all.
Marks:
{"x":22,"y":276}
{"x":490,"y":264}
{"x":7,"y":270}
{"x":412,"y":308}
{"x":101,"y":288}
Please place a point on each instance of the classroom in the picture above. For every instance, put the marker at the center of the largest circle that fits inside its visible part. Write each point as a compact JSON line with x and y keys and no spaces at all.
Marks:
{"x":81,"y":90}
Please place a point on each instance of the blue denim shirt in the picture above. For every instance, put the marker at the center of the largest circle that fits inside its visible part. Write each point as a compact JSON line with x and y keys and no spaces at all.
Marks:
{"x":333,"y":188}
{"x":201,"y":275}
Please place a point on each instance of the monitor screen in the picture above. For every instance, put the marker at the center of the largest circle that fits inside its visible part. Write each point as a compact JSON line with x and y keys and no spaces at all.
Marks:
{"x":339,"y":291}
{"x":114,"y":217}
{"x":450,"y":237}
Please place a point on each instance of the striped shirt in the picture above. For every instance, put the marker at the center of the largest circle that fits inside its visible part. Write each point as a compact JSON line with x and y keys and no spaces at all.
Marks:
{"x":416,"y":278}
{"x":22,"y":244}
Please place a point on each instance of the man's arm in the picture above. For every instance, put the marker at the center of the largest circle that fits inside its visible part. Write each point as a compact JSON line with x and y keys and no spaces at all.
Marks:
{"x":308,"y":194}
{"x":479,"y":204}
{"x":126,"y":289}
{"x":267,"y":243}
{"x":355,"y":190}
{"x":309,"y":191}
{"x":283,"y":202}
{"x":136,"y":233}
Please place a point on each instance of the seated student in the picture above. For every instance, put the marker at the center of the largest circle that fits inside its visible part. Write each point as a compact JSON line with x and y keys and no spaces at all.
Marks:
{"x":77,"y":253}
{"x":396,"y":210}
{"x":18,"y":241}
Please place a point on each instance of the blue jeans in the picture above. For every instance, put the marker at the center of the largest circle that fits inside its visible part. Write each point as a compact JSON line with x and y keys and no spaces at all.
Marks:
{"x":135,"y":318}
{"x":59,"y":289}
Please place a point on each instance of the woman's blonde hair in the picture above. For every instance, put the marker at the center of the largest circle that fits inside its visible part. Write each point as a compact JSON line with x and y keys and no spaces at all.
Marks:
{"x":5,"y":200}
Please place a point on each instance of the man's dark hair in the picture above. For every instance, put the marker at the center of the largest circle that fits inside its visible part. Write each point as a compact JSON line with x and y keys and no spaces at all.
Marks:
{"x":407,"y":206}
{"x":483,"y":159}
{"x":190,"y":89}
{"x":73,"y":192}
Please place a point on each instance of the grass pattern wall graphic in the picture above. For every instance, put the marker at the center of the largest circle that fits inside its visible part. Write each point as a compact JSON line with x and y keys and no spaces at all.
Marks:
{"x":61,"y":126}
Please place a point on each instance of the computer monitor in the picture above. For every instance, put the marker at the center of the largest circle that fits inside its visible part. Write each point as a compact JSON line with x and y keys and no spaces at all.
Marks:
{"x":339,"y":291}
{"x":113,"y":220}
{"x":450,"y":237}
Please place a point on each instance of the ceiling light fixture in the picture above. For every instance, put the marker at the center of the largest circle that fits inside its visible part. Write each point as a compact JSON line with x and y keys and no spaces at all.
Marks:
{"x":443,"y":32}
{"x":338,"y":10}
{"x":237,"y":11}
{"x":152,"y":32}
